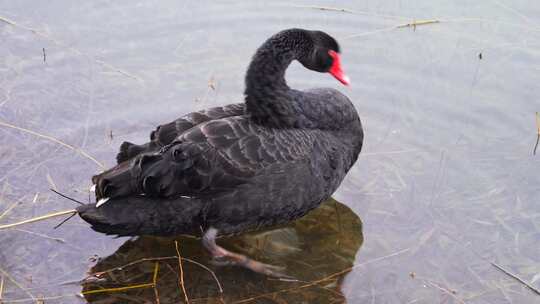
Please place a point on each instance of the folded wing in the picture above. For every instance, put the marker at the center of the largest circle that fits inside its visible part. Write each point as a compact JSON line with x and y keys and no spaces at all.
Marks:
{"x":211,"y":157}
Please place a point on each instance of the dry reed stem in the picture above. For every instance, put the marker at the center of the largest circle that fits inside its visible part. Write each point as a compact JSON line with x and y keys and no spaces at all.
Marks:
{"x":8,"y":210}
{"x":181,"y":272}
{"x":532,"y":288}
{"x":42,"y":298}
{"x":455,"y":20}
{"x":1,"y":287}
{"x":538,"y":136}
{"x":393,"y":27}
{"x":41,"y":235}
{"x":209,"y":270}
{"x":348,"y":269}
{"x":8,"y":276}
{"x":381,"y":30}
{"x":446,"y":290}
{"x":39,"y":218}
{"x":100,"y":273}
{"x":325,"y":8}
{"x":329,"y":289}
{"x":538,"y":122}
{"x":116,"y":289}
{"x":513,"y":11}
{"x":144,"y":285}
{"x":97,"y":274}
{"x":55,"y":140}
{"x":415,"y":23}
{"x":51,"y":182}
{"x":439,"y":286}
{"x":77,"y":51}
{"x":154,"y":281}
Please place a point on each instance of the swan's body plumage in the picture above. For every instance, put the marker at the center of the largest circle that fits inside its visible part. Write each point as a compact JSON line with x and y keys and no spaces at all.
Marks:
{"x":239,"y":167}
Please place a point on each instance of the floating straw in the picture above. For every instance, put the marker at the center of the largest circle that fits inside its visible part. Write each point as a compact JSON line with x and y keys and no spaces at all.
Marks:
{"x":39,"y":218}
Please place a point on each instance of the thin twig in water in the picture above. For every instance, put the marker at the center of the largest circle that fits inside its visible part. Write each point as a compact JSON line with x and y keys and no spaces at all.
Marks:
{"x":415,"y":23}
{"x":356,"y":12}
{"x":97,"y":274}
{"x":77,"y":51}
{"x":34,"y":200}
{"x":73,"y":148}
{"x":348,"y":269}
{"x":513,"y":11}
{"x":116,"y":289}
{"x":51,"y":181}
{"x":516,"y":278}
{"x":321,"y":286}
{"x":154,"y":281}
{"x":207,"y":269}
{"x":538,"y":135}
{"x":39,"y":218}
{"x":41,"y":235}
{"x":386,"y":29}
{"x":325,"y":8}
{"x":100,"y":273}
{"x":8,"y":210}
{"x":391,"y":28}
{"x":1,"y":287}
{"x":111,"y":67}
{"x":181,"y":272}
{"x":65,"y":220}
{"x":538,"y":122}
{"x":65,"y":196}
{"x":338,"y":218}
{"x":43,"y":298}
{"x":8,"y":276}
{"x":446,"y":290}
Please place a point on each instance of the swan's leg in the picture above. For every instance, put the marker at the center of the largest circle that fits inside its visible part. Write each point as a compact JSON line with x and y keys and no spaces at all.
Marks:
{"x":222,"y":257}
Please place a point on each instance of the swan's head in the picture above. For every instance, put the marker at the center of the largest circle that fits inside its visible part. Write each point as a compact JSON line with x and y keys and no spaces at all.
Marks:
{"x":325,"y":56}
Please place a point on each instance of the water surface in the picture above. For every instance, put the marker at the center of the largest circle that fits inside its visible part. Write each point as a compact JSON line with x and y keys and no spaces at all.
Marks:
{"x":445,"y":185}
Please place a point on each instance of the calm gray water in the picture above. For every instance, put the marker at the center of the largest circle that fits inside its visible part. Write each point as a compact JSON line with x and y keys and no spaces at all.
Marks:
{"x":446,"y":183}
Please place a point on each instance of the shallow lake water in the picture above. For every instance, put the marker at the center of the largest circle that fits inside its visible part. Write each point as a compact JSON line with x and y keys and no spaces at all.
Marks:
{"x":445,"y":190}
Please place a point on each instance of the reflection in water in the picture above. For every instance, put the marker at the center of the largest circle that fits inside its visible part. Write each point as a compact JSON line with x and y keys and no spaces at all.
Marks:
{"x":318,"y":247}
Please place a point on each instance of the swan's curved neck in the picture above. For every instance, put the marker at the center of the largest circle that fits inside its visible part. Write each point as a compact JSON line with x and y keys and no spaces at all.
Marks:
{"x":267,"y":96}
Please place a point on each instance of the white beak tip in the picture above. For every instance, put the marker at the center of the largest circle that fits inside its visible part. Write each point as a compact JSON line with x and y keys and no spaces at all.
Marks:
{"x":102,"y":201}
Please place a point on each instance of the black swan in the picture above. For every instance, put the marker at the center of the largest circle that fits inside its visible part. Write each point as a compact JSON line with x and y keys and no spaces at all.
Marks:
{"x":240,"y":167}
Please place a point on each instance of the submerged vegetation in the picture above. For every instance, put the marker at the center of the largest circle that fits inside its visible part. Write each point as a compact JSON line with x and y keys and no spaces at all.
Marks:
{"x":446,"y":186}
{"x":319,"y":248}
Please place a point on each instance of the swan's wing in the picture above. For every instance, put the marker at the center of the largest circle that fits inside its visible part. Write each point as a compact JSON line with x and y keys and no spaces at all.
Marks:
{"x":212,"y":157}
{"x":166,"y":133}
{"x":186,"y":122}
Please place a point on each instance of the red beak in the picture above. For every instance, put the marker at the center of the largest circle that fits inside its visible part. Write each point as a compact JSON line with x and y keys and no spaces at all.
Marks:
{"x":336,"y":70}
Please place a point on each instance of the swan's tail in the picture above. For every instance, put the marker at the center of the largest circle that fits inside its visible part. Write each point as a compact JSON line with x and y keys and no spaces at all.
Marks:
{"x":141,"y":215}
